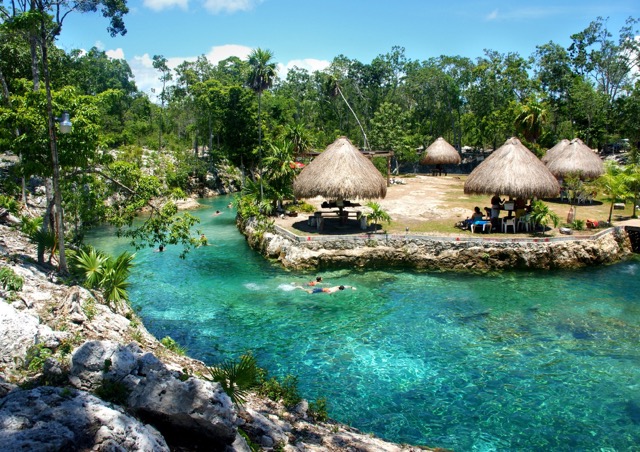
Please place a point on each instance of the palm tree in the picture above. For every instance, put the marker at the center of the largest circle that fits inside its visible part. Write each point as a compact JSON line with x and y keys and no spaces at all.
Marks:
{"x":531,"y":119}
{"x":377,"y":214}
{"x":280,"y":170}
{"x":261,"y":77}
{"x":298,"y":133}
{"x":632,"y":171}
{"x":541,"y":215}
{"x":614,"y":184}
{"x":333,"y":86}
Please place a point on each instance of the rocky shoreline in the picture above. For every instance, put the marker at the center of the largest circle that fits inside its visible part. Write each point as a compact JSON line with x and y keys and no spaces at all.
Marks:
{"x":425,"y":252}
{"x":75,"y":375}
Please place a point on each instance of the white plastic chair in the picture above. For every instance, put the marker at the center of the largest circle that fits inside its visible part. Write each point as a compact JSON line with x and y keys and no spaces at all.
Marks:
{"x":524,"y":223}
{"x":483,"y":224}
{"x":506,"y":222}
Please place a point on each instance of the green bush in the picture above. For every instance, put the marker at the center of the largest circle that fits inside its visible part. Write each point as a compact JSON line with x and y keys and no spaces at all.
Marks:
{"x":6,"y":202}
{"x":236,"y":377}
{"x":578,"y":225}
{"x":318,"y":409}
{"x":9,"y":280}
{"x":29,"y":226}
{"x":172,"y":345}
{"x":37,"y":354}
{"x":286,"y":390}
{"x":101,"y":271}
{"x":113,"y":391}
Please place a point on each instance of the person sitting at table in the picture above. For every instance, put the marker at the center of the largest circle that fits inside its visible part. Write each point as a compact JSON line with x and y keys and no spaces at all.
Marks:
{"x":520,"y":207}
{"x":475,"y":216}
{"x":496,"y":205}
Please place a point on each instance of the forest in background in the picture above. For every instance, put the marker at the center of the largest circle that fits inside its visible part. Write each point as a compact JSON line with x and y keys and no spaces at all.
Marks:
{"x":237,"y":114}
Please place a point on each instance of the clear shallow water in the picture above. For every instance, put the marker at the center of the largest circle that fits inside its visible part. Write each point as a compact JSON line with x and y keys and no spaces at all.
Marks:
{"x":512,"y":361}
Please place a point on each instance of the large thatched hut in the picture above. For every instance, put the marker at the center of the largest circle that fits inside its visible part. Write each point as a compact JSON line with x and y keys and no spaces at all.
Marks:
{"x":576,"y":158}
{"x":512,"y":170}
{"x":339,"y":173}
{"x":555,"y":150}
{"x":440,"y":152}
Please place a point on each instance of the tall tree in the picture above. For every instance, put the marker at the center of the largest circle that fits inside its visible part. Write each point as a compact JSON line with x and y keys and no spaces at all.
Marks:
{"x":160,"y":64}
{"x":261,"y":78}
{"x":44,"y":20}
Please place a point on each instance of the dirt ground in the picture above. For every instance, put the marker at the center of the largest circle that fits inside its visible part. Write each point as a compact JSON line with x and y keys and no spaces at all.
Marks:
{"x":433,"y":204}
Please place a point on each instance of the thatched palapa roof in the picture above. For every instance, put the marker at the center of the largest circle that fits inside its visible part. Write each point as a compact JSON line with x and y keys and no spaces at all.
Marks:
{"x":512,"y":170}
{"x":340,"y":172}
{"x":576,"y":158}
{"x":441,"y":153}
{"x":555,"y":150}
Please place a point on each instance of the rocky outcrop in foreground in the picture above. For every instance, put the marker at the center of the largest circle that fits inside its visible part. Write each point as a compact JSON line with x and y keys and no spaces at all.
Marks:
{"x":94,"y":379}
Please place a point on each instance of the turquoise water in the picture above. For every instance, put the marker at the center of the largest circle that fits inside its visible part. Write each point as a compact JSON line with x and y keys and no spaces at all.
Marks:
{"x":511,"y":361}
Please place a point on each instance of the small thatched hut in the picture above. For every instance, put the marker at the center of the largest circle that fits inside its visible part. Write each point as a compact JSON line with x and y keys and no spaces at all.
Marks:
{"x":576,"y":158}
{"x":441,"y":153}
{"x":555,"y":150}
{"x":512,"y":170}
{"x":341,"y":172}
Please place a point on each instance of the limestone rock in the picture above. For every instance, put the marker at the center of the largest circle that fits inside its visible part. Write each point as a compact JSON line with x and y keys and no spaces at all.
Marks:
{"x":18,"y":332}
{"x":48,"y":418}
{"x":195,"y":408}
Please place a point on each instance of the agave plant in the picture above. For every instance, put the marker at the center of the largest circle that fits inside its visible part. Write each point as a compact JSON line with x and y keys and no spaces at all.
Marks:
{"x":236,"y":377}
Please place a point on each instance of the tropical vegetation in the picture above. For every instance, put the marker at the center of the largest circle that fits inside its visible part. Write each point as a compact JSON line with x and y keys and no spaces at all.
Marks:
{"x":236,"y":124}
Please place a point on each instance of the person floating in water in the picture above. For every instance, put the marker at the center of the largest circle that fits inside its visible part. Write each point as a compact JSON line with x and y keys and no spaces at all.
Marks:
{"x":160,"y":248}
{"x":217,"y":212}
{"x":325,"y":289}
{"x":315,"y":282}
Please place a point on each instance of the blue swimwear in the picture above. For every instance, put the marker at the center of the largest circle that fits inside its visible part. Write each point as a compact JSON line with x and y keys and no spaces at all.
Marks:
{"x":316,"y":290}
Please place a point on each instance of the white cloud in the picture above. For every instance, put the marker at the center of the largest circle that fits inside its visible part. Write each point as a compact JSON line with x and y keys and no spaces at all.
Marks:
{"x":117,"y":54}
{"x":159,"y":5}
{"x":229,"y":6}
{"x":147,"y":78}
{"x":219,"y":53}
{"x":493,"y":15}
{"x":310,"y":64}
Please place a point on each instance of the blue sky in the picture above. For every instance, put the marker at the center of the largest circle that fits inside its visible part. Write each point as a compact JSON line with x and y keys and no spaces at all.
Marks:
{"x":310,"y":33}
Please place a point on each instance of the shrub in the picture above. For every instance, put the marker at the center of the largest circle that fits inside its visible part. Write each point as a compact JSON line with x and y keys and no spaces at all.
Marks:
{"x":287,"y":390}
{"x":7,"y":202}
{"x":113,"y":391}
{"x":318,"y":409}
{"x":236,"y":377}
{"x":578,"y":225}
{"x":9,"y":280}
{"x":105,"y":273}
{"x":172,"y":345}
{"x":37,"y":354}
{"x":29,"y":226}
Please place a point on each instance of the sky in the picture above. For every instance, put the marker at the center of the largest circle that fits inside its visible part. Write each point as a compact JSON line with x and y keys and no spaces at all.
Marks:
{"x":310,"y":33}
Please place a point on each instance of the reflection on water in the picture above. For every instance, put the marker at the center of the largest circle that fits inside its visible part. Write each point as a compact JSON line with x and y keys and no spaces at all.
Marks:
{"x":511,"y":361}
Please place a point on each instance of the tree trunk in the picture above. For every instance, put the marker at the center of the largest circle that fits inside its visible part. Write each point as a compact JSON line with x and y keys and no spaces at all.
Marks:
{"x":46,"y":220}
{"x":57,"y":195}
{"x":260,"y":143}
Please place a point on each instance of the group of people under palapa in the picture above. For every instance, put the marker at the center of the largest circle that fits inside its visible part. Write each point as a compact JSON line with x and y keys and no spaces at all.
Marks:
{"x":517,"y":208}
